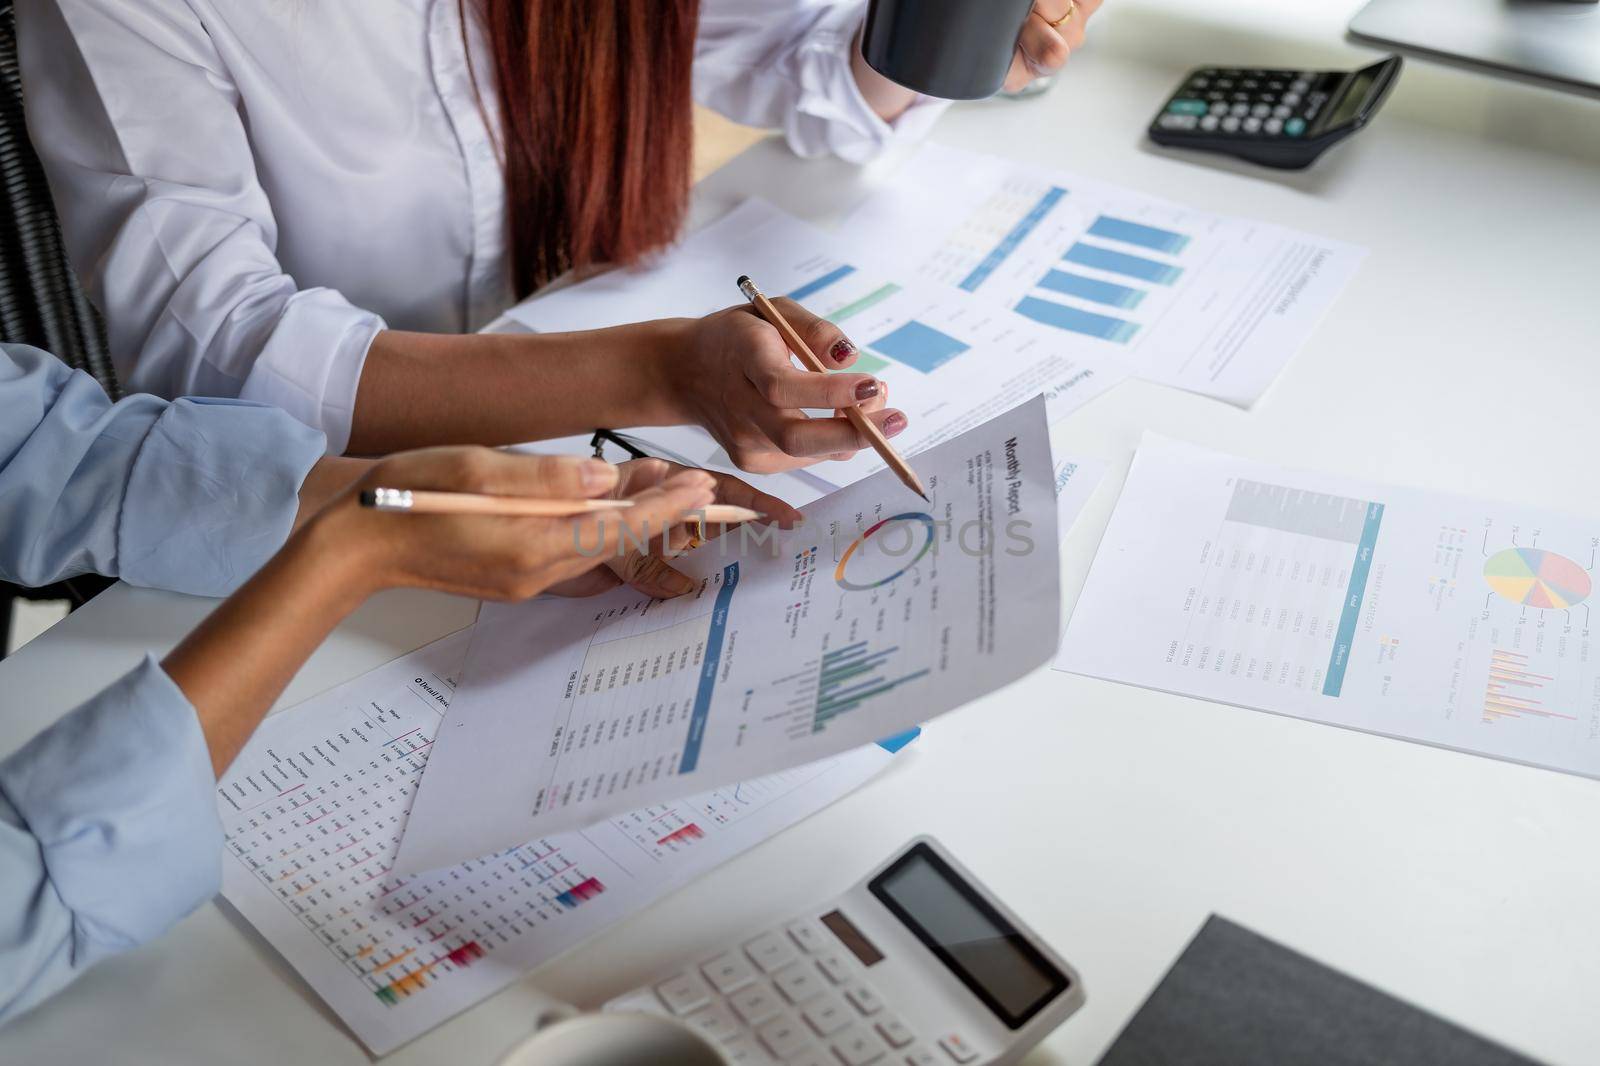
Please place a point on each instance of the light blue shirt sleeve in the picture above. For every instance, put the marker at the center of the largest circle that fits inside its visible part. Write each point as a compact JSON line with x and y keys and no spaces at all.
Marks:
{"x":108,"y":834}
{"x":190,"y":495}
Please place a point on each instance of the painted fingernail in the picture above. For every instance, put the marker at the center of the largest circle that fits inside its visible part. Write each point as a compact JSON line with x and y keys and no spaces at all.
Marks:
{"x":842,"y":349}
{"x":676,"y":583}
{"x":597,"y":475}
{"x":894,"y":424}
{"x":866,"y":390}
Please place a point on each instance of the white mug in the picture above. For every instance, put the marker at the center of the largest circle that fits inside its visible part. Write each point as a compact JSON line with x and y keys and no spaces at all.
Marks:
{"x":567,"y":1039}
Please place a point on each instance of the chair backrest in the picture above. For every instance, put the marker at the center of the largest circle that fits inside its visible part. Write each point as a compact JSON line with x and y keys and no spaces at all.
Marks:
{"x":41,"y":302}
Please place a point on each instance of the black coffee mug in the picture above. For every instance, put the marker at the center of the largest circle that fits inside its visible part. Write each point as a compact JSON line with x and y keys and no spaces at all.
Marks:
{"x":952,"y":49}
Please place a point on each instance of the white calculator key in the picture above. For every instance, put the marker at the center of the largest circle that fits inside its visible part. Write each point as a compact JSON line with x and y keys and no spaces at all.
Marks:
{"x":728,"y":972}
{"x":835,"y":967}
{"x":785,"y":1036}
{"x":642,"y":1001}
{"x":955,"y":1045}
{"x":813,"y":1056}
{"x":897,"y":1032}
{"x":715,"y":1021}
{"x":827,"y":1015}
{"x":684,"y":993}
{"x":798,"y":982}
{"x":857,"y":1046}
{"x":1208,"y":122}
{"x":756,"y":1003}
{"x":740,"y":1051}
{"x":864,"y":997}
{"x":921,"y":1056}
{"x":807,"y":936}
{"x":771,"y":952}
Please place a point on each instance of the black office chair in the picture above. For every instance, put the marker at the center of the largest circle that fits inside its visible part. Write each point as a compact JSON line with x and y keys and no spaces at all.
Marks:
{"x":40,"y":301}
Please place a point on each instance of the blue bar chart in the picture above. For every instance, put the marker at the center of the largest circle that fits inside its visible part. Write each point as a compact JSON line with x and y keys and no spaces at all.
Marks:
{"x":1101,"y":292}
{"x":1077,"y":320}
{"x":816,"y":285}
{"x":919,"y":346}
{"x":1133,"y":266}
{"x":1152,"y":237}
{"x":853,"y":674}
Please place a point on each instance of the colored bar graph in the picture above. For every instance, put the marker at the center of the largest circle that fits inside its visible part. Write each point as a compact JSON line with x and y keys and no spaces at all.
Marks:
{"x":1077,"y":320}
{"x":683,"y":835}
{"x":851,"y":675}
{"x":1133,"y":266}
{"x":1152,"y":237}
{"x":580,"y":893}
{"x":708,"y":669}
{"x":417,"y":979}
{"x":1101,"y":292}
{"x":920,"y":347}
{"x":816,"y":285}
{"x":1009,"y":242}
{"x":1511,"y":689}
{"x":876,"y":296}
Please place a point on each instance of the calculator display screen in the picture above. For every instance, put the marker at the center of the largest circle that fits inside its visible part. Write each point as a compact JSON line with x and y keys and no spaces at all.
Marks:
{"x":1354,"y":97}
{"x":982,"y":949}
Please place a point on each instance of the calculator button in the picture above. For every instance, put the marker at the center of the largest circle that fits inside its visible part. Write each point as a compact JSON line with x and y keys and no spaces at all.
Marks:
{"x":1273,"y":126}
{"x":1224,"y":83}
{"x":715,"y":1021}
{"x":895,"y":1031}
{"x":827,"y":1016}
{"x":866,"y":1000}
{"x":1291,"y":99}
{"x":728,"y":972}
{"x":1239,"y":109}
{"x":921,"y":1056}
{"x":1281,"y":112}
{"x":771,"y":951}
{"x":1299,"y":85}
{"x":798,"y":983}
{"x":1209,"y":122}
{"x":1230,"y":124}
{"x":857,"y":1046}
{"x":1295,"y":127}
{"x":1218,"y":108}
{"x":756,"y":1004}
{"x":1178,"y":122}
{"x":684,"y":993}
{"x":1260,"y":111}
{"x":811,"y":1057}
{"x":1187,"y":107}
{"x":807,"y":936}
{"x":955,"y":1045}
{"x":741,"y":1050}
{"x":784,"y":1036}
{"x":833,"y":965}
{"x":1252,"y":125}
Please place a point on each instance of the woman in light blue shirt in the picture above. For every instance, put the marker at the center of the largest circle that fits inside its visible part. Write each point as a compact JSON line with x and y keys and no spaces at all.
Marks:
{"x":108,"y":824}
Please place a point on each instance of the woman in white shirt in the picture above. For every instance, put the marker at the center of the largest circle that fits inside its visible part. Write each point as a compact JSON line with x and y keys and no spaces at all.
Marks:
{"x":313,"y":203}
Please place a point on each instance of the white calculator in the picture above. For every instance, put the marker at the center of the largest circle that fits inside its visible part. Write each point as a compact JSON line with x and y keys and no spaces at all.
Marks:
{"x":916,"y":965}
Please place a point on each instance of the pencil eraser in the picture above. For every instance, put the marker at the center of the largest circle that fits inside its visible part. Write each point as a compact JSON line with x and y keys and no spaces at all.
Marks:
{"x":369,"y":498}
{"x":747,"y":287}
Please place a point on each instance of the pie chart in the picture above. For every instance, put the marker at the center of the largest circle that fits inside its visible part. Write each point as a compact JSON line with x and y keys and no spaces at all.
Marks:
{"x":884,"y":552}
{"x":1537,"y":578}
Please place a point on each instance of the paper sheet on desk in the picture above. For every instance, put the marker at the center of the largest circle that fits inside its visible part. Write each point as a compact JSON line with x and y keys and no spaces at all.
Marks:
{"x":880,"y":612}
{"x":313,"y":809}
{"x":949,"y":361}
{"x":1449,"y":621}
{"x":1204,"y":302}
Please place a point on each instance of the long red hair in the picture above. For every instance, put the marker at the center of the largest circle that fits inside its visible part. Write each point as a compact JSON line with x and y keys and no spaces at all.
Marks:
{"x":596,"y":128}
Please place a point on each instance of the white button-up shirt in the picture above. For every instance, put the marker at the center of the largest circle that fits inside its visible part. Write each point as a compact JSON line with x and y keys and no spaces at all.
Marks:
{"x":253,"y":190}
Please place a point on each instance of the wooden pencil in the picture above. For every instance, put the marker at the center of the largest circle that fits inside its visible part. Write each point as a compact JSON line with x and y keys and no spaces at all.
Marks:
{"x":426,"y":502}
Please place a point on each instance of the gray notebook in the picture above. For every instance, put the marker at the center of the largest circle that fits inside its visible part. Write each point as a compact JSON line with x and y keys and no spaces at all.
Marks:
{"x":1235,"y":998}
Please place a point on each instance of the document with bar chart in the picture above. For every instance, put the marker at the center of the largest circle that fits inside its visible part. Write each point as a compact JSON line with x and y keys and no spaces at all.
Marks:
{"x":1204,"y":302}
{"x":1439,"y":619}
{"x":950,"y":361}
{"x":879,"y":612}
{"x":313,"y":809}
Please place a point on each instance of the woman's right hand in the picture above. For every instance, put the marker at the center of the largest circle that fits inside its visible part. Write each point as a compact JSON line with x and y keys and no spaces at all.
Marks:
{"x":494,"y":557}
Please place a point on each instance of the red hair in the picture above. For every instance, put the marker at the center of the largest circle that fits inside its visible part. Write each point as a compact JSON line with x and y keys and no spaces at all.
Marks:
{"x":596,"y":128}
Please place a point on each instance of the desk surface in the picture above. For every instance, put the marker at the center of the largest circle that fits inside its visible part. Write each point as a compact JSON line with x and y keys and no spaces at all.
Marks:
{"x":1460,"y":883}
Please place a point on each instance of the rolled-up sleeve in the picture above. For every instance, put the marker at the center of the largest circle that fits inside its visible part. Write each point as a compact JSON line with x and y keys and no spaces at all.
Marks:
{"x":786,"y":64}
{"x":191,"y":495}
{"x":108,"y":834}
{"x":140,"y":132}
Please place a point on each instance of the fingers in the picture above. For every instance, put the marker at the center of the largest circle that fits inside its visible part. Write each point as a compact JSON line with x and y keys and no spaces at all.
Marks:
{"x":784,"y":385}
{"x":828,"y":437}
{"x":652,"y":575}
{"x":495,"y":473}
{"x":611,"y":535}
{"x":1045,"y":48}
{"x":825,"y":339}
{"x":741,"y":494}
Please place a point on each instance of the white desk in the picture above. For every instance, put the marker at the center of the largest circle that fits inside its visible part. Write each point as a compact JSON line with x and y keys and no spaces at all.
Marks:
{"x":1113,"y":818}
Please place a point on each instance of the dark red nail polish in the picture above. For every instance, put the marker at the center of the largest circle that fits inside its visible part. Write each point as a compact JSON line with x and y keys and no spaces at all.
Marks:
{"x":894,"y":424}
{"x":842,"y":349}
{"x":866,"y":390}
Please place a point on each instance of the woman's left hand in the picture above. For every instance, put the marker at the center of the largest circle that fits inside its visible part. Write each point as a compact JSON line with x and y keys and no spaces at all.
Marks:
{"x":1054,"y":31}
{"x":649,"y":572}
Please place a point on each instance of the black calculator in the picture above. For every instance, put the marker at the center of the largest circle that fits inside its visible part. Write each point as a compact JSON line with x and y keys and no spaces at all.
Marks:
{"x":1278,"y":118}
